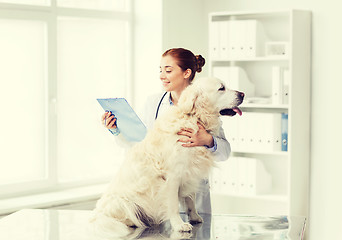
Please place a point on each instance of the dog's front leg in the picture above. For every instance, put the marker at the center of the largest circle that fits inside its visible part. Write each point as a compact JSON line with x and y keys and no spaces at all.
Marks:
{"x":173,"y":208}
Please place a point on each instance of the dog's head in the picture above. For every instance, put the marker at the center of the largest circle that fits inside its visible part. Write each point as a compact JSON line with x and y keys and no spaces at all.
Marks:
{"x":212,"y":96}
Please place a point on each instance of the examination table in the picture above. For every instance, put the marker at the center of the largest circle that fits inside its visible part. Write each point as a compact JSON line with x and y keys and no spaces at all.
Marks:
{"x":38,"y":224}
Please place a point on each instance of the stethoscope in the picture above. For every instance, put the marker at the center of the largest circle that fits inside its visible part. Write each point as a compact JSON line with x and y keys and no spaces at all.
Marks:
{"x":160,"y":104}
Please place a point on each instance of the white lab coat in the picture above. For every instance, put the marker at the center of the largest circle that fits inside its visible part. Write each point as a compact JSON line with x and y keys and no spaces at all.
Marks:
{"x":222,"y":152}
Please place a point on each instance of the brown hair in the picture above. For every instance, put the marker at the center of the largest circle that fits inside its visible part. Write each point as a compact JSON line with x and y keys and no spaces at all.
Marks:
{"x":186,"y":60}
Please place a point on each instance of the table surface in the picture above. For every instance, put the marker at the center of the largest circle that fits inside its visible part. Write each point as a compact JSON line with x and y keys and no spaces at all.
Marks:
{"x":37,"y":224}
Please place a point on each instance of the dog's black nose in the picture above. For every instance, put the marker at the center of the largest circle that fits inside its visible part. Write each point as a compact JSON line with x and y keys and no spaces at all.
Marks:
{"x":241,"y":94}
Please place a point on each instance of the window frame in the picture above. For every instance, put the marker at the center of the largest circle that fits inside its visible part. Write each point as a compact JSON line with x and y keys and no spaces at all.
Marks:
{"x":50,"y":14}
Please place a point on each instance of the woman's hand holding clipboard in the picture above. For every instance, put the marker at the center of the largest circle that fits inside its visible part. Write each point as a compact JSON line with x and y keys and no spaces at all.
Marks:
{"x":127,"y":121}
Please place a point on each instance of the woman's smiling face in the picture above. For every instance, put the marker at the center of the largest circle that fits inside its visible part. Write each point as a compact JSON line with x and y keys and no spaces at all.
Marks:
{"x":172,"y":76}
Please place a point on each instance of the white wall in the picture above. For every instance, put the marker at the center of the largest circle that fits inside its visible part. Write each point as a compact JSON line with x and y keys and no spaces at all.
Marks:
{"x":185,"y":24}
{"x":157,"y":29}
{"x":148,"y":49}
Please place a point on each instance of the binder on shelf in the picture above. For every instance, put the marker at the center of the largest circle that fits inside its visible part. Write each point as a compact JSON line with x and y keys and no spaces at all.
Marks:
{"x":259,"y":126}
{"x":247,"y":132}
{"x":254,"y":39}
{"x":272,"y":132}
{"x":215,"y":183}
{"x":235,"y":32}
{"x":231,"y":168}
{"x":236,"y":39}
{"x":258,"y":181}
{"x":241,"y":176}
{"x":228,"y":180}
{"x":280,"y":85}
{"x":230,"y":126}
{"x":215,"y":40}
{"x":247,"y":39}
{"x":224,"y":41}
{"x":254,"y":132}
{"x":276,"y":85}
{"x":286,"y":86}
{"x":284,"y":131}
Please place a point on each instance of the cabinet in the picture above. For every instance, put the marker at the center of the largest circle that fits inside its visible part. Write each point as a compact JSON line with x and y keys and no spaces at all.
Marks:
{"x":267,"y":55}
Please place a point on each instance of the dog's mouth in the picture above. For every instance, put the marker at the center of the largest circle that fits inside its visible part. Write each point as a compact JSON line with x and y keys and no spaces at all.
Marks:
{"x":231,"y":111}
{"x":234,"y":110}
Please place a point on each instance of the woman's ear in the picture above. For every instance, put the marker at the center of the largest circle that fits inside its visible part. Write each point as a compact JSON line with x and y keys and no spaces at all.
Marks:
{"x":187,"y":73}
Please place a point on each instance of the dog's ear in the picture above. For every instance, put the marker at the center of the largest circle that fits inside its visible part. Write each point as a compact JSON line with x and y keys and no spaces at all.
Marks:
{"x":188,"y":99}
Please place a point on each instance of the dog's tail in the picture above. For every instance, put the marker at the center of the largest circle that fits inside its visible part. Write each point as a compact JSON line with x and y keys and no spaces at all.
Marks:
{"x":132,"y":220}
{"x":106,"y":227}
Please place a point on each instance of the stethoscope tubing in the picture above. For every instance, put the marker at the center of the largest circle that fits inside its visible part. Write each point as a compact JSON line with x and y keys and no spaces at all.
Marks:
{"x":159,"y":105}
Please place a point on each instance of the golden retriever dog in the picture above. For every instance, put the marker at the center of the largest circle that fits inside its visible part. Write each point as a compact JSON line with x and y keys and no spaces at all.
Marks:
{"x":159,"y":173}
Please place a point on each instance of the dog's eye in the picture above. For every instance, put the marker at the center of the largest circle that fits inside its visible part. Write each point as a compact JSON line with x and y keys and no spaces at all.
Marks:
{"x":222,"y":88}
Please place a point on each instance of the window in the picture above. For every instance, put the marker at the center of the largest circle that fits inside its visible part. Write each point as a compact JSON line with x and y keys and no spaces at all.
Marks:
{"x":28,"y":2}
{"x":56,"y":58}
{"x":118,"y":5}
{"x":22,"y":100}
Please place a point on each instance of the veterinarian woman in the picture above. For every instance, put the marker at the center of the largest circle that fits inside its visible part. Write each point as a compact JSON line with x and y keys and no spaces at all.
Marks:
{"x":178,"y":67}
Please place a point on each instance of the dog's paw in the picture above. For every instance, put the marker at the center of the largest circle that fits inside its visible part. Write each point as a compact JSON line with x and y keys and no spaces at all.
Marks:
{"x":185,"y":227}
{"x":195,"y":219}
{"x":180,"y":235}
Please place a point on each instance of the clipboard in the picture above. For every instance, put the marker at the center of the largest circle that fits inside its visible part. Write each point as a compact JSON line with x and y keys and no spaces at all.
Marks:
{"x":128,"y":122}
